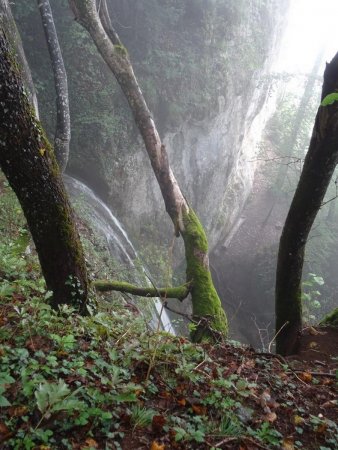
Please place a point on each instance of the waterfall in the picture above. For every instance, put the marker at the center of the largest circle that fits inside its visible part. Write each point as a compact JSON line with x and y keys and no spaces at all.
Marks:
{"x":119,"y":245}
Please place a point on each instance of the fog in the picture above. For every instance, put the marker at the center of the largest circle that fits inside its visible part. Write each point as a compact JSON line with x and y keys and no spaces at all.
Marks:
{"x":233,"y":87}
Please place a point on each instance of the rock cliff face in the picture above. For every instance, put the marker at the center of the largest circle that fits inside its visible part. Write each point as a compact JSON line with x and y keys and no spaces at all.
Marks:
{"x":204,"y":69}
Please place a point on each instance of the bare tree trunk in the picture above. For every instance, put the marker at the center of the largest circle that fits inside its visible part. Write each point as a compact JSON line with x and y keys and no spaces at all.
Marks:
{"x":319,"y":165}
{"x":29,"y":164}
{"x":207,"y":308}
{"x":62,"y":131}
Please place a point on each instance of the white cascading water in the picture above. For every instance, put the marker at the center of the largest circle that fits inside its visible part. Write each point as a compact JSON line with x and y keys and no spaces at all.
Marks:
{"x":118,"y":242}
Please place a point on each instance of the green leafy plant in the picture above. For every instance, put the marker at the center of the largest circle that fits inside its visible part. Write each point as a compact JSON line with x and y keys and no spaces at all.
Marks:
{"x":52,"y":397}
{"x":141,"y":417}
{"x":267,"y":434}
{"x":310,"y":297}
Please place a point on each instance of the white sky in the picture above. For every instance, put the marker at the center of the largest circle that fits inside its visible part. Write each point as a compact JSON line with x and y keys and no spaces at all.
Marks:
{"x":311,"y":24}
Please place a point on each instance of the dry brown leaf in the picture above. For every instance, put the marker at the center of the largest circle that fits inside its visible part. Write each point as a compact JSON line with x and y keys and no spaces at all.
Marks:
{"x":90,"y":442}
{"x":313,"y":344}
{"x":283,"y":375}
{"x":182,"y":401}
{"x":3,"y":429}
{"x":200,"y":410}
{"x":264,"y":398}
{"x":297,"y":420}
{"x":327,"y":381}
{"x":158,"y":423}
{"x":250,"y":363}
{"x":321,"y":429}
{"x":305,"y":376}
{"x":271,"y":417}
{"x":315,"y":332}
{"x":288,"y":444}
{"x":156,"y":446}
{"x":17,"y":411}
{"x":165,"y":394}
{"x":330,"y":404}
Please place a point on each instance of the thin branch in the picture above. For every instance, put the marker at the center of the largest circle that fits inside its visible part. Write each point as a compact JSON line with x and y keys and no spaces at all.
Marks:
{"x":107,"y":25}
{"x":274,"y":338}
{"x":179,"y":313}
{"x":328,"y":201}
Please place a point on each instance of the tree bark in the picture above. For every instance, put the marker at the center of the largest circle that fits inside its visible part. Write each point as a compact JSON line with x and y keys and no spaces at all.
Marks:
{"x":9,"y":26}
{"x":62,"y":130}
{"x":319,"y":165}
{"x":207,"y":308}
{"x":29,"y":164}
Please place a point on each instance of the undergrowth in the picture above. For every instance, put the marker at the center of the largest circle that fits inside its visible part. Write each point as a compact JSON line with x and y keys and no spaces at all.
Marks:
{"x":107,"y":381}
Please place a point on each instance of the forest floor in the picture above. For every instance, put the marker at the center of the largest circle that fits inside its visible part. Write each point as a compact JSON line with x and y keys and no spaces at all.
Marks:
{"x":108,"y":382}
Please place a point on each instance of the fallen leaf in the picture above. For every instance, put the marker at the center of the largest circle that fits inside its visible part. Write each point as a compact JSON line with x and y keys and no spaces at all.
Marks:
{"x":297,"y":420}
{"x":42,"y":151}
{"x":321,"y":429}
{"x":271,"y":417}
{"x":288,"y":444}
{"x":330,"y":404}
{"x":182,"y":401}
{"x":283,"y":376}
{"x":3,"y":429}
{"x":264,"y":398}
{"x":165,"y":394}
{"x":17,"y":411}
{"x":156,"y":446}
{"x":250,"y":364}
{"x":158,"y":423}
{"x":315,"y":332}
{"x":313,"y":344}
{"x":327,"y":381}
{"x":305,"y":376}
{"x":90,"y":442}
{"x":200,"y":410}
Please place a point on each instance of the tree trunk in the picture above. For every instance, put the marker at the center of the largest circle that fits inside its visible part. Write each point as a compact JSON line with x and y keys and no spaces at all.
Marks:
{"x":207,"y":308}
{"x":62,"y":131}
{"x":318,"y":168}
{"x":29,"y":164}
{"x":9,"y":25}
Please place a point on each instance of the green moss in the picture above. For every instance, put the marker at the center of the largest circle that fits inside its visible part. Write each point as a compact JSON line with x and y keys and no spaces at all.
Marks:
{"x":207,"y":307}
{"x":121,"y":50}
{"x":179,"y":292}
{"x":331,"y":319}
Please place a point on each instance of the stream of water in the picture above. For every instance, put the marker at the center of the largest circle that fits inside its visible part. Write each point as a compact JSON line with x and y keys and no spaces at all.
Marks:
{"x":119,"y":245}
